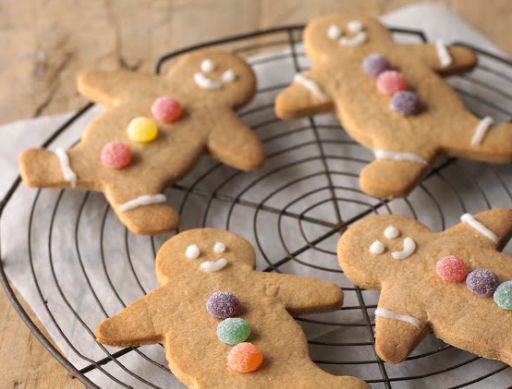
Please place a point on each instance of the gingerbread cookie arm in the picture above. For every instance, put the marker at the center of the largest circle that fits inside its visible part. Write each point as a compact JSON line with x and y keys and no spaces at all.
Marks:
{"x":303,"y":295}
{"x":109,"y":87}
{"x":491,"y":228}
{"x":234,"y":143}
{"x":304,"y":97}
{"x":445,"y":59}
{"x":135,"y":325}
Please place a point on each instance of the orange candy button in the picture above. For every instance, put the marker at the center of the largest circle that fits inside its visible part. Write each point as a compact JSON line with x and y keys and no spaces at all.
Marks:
{"x":245,"y":357}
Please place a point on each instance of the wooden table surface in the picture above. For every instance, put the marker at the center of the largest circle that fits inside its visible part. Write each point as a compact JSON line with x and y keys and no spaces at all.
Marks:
{"x":46,"y":43}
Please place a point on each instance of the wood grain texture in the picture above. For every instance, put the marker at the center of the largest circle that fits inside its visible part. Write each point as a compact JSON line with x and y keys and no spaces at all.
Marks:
{"x":45,"y":43}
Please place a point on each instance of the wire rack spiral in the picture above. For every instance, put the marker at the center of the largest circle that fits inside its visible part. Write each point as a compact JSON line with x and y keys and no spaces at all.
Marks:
{"x":77,"y":265}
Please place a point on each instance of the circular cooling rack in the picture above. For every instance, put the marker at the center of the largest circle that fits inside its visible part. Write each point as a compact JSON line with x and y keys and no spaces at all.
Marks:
{"x":75,"y":264}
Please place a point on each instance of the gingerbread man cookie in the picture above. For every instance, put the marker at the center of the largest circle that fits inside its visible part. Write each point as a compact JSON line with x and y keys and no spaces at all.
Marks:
{"x":223,"y":324}
{"x":454,"y":282}
{"x":390,"y":98}
{"x":153,"y":132}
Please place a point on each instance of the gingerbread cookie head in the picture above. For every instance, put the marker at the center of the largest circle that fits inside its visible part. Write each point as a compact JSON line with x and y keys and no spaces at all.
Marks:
{"x":331,"y":37}
{"x":204,"y":252}
{"x":453,"y":282}
{"x":393,"y":241}
{"x":215,"y":77}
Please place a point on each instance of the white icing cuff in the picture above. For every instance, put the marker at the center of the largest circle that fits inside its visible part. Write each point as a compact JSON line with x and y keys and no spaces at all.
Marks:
{"x":204,"y":82}
{"x":386,"y":313}
{"x":311,"y":85}
{"x":443,"y":54}
{"x":385,"y":154}
{"x":214,"y":266}
{"x":142,"y":200}
{"x":472,"y":222}
{"x":69,"y":174}
{"x":408,"y":249}
{"x":481,"y":130}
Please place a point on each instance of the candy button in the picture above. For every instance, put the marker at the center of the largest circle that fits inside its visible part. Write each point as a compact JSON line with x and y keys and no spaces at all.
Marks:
{"x":142,"y":129}
{"x":482,"y":282}
{"x":245,"y":358}
{"x":166,"y":109}
{"x":375,"y":64}
{"x":116,"y":155}
{"x":405,"y":103}
{"x":451,"y":269}
{"x":222,"y":304}
{"x":233,"y":330}
{"x":390,"y":82}
{"x":503,"y":295}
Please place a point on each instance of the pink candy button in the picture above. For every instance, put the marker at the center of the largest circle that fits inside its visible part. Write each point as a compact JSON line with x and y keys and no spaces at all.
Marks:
{"x":116,"y":155}
{"x":390,"y":81}
{"x":451,"y":269}
{"x":166,"y":109}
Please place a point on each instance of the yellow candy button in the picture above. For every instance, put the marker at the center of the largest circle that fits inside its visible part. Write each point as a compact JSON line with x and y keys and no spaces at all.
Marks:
{"x":142,"y":129}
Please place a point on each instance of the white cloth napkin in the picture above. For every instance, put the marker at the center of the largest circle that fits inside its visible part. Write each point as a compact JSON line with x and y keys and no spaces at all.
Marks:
{"x":78,"y":279}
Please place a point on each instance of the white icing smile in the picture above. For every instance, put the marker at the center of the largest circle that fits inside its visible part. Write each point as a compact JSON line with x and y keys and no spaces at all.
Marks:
{"x":355,"y":40}
{"x":354,"y":27}
{"x":210,"y":266}
{"x":408,"y":249}
{"x":206,"y":83}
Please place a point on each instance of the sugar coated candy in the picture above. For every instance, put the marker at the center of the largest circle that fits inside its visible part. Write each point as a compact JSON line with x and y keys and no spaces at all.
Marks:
{"x":406,"y":103}
{"x":482,"y":282}
{"x":223,"y":304}
{"x":116,"y":155}
{"x":245,"y":358}
{"x":451,"y":269}
{"x":503,"y":295}
{"x":142,"y":129}
{"x":390,"y":81}
{"x":233,"y":330}
{"x":166,"y":109}
{"x":375,"y":64}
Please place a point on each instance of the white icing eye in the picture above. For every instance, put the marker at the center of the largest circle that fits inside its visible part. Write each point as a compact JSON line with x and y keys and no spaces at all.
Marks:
{"x":214,"y":266}
{"x":377,"y":247}
{"x":334,"y":32}
{"x":207,"y":66}
{"x":391,"y":232}
{"x":355,"y":26}
{"x":228,"y":76}
{"x":192,"y":251}
{"x":219,"y":247}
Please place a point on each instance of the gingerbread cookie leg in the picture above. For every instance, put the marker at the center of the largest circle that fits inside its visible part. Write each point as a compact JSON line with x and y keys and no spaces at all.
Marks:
{"x":392,"y":174}
{"x":397,"y":334}
{"x":142,"y":209}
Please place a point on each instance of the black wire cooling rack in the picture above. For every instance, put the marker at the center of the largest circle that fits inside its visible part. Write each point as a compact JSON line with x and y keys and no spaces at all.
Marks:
{"x":76,"y":264}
